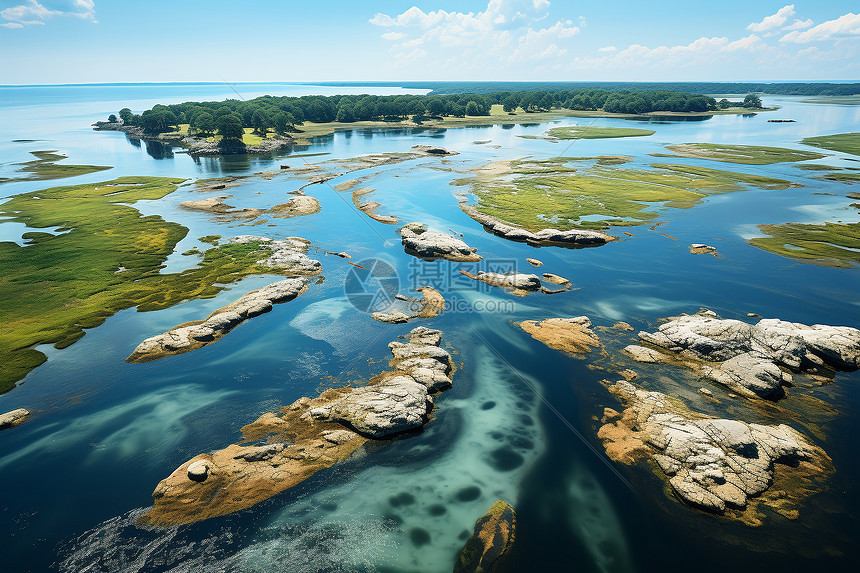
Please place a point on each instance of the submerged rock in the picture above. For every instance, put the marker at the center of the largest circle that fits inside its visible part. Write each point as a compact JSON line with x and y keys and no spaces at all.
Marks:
{"x":750,"y":359}
{"x":710,"y":463}
{"x":423,"y":243}
{"x":491,"y":542}
{"x":534,"y":262}
{"x":571,"y":238}
{"x":13,"y":418}
{"x":307,"y":436}
{"x":571,"y":335}
{"x":193,"y":335}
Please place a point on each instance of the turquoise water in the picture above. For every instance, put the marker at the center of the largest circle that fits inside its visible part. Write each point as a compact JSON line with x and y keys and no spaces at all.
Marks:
{"x":104,"y":432}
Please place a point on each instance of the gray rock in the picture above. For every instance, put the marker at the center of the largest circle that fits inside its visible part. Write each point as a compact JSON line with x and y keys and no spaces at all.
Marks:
{"x":644,"y":354}
{"x":750,"y":356}
{"x":418,"y":240}
{"x":519,"y":281}
{"x":574,"y":237}
{"x":750,"y":375}
{"x":13,"y":418}
{"x":395,"y":405}
{"x":222,"y":321}
{"x":712,"y":463}
{"x":198,"y":471}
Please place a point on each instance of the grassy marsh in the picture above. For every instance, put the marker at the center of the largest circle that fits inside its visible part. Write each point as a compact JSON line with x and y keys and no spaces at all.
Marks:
{"x":45,"y":167}
{"x":843,"y":142}
{"x":830,"y":244}
{"x":537,"y":194}
{"x":104,"y":257}
{"x":744,"y":154}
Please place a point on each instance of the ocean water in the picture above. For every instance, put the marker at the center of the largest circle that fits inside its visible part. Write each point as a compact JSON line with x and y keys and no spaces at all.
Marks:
{"x":520,"y":422}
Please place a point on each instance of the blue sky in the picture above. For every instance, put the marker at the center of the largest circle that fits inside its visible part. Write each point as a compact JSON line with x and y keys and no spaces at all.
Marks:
{"x":84,"y":41}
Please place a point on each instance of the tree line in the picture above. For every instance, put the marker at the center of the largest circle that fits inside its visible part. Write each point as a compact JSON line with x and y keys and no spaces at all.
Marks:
{"x":284,"y":114}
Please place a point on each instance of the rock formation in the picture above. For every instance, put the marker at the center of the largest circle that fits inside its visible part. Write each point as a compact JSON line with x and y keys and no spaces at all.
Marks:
{"x":193,"y":335}
{"x":571,"y":335}
{"x":429,"y":306}
{"x":544,"y":237}
{"x":750,"y":359}
{"x":426,"y":244}
{"x":13,"y":418}
{"x":297,"y":206}
{"x":307,"y":436}
{"x":518,"y":284}
{"x":491,"y":542}
{"x":713,"y":464}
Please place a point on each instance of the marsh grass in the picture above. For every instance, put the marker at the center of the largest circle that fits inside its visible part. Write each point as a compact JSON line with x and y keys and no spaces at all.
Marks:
{"x":538,"y":194}
{"x":45,"y":167}
{"x":830,"y":244}
{"x":105,"y":257}
{"x":744,"y":154}
{"x":843,"y":142}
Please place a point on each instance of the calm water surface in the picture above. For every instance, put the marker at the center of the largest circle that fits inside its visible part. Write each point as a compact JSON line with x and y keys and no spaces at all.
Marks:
{"x":103,"y":432}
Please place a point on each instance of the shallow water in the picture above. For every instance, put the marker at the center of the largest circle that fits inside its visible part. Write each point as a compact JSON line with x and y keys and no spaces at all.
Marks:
{"x":104,"y":432}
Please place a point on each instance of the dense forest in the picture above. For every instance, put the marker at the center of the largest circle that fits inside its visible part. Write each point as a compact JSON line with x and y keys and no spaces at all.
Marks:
{"x":787,"y":88}
{"x":283,"y":114}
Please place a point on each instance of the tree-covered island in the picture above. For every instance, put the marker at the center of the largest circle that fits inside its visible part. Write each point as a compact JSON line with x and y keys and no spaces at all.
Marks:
{"x":269,"y":122}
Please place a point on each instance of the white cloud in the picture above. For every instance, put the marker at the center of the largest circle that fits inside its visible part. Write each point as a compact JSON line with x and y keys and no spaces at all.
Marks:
{"x":774,"y":20}
{"x":541,"y":44}
{"x":608,"y":49}
{"x":845,"y":25}
{"x":799,"y":25}
{"x":746,"y":44}
{"x":502,"y":24}
{"x":34,"y":13}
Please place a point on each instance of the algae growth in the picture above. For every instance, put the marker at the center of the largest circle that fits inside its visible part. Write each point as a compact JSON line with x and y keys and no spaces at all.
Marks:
{"x":744,"y":154}
{"x":537,"y":194}
{"x":45,"y":167}
{"x":102,"y":257}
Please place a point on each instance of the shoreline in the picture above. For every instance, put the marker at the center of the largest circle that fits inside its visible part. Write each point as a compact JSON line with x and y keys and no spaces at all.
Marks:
{"x":196,"y":146}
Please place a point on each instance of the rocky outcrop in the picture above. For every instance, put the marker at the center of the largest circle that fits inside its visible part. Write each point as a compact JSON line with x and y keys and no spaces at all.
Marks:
{"x":429,"y":306}
{"x":703,"y":249}
{"x":534,"y":262}
{"x":755,"y":360}
{"x":283,"y":449}
{"x":571,"y":335}
{"x":434,"y":150}
{"x":13,"y":418}
{"x":491,"y":542}
{"x":426,"y":244}
{"x":297,"y":206}
{"x":518,"y":284}
{"x":555,"y":279}
{"x":713,"y":464}
{"x":545,"y":237}
{"x":287,"y":255}
{"x":217,"y":206}
{"x":369,"y":207}
{"x":193,"y":335}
